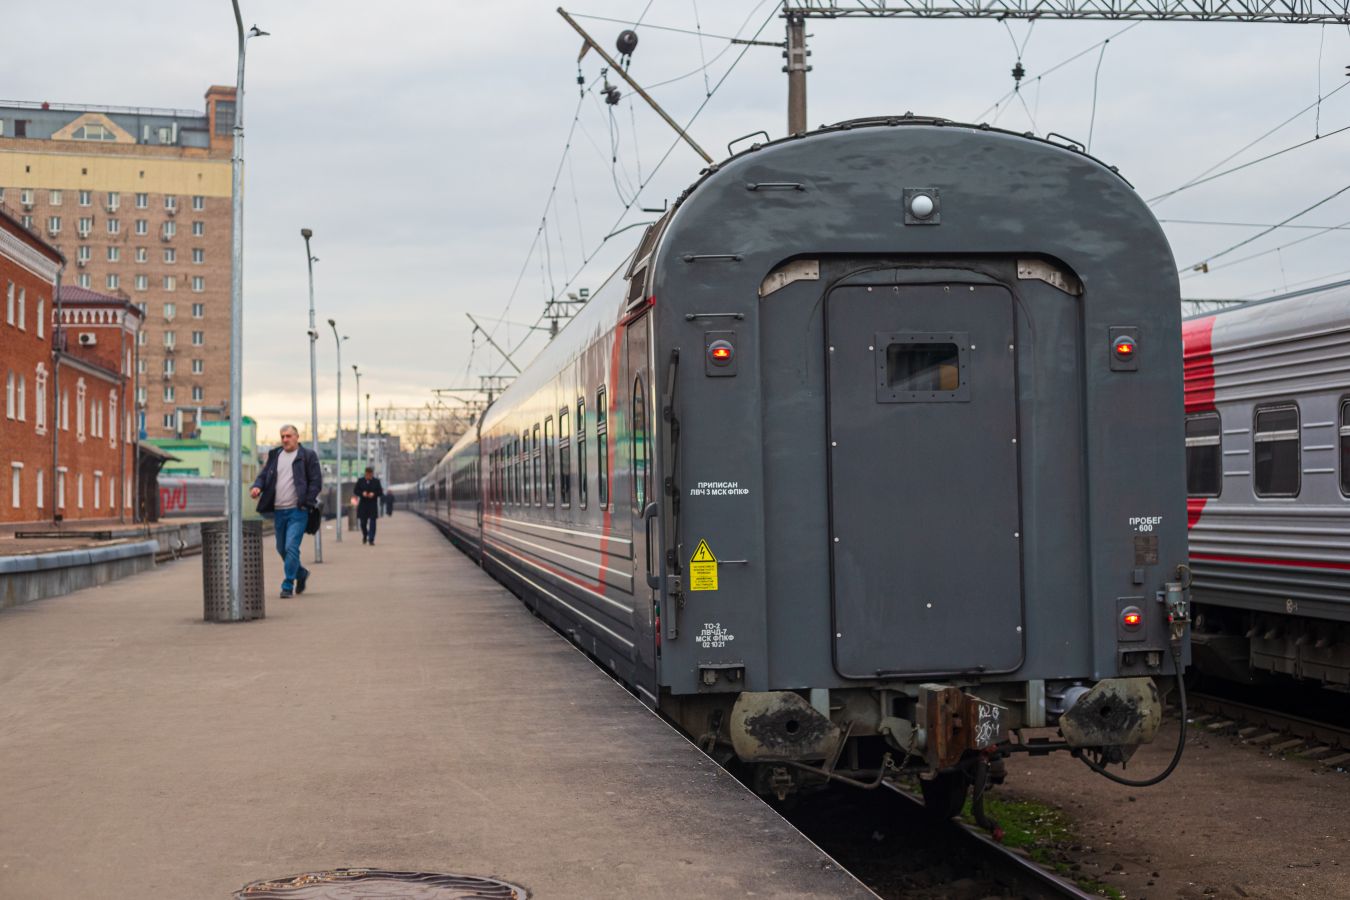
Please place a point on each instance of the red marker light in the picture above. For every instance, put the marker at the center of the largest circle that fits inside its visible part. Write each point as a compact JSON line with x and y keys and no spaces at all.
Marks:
{"x":1133,"y":619}
{"x":1124,"y":348}
{"x":721,"y":352}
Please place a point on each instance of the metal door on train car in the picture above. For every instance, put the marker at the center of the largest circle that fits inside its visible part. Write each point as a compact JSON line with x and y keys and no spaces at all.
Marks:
{"x":638,"y":404}
{"x":926,"y":573}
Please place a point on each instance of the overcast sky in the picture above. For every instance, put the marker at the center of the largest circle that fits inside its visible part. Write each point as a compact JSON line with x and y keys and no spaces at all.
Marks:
{"x":419,"y":139}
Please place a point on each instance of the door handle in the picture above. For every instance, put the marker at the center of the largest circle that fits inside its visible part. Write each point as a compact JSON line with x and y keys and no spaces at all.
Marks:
{"x":648,"y":515}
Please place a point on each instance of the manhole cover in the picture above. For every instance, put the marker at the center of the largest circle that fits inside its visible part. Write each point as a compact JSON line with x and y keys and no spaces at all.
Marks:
{"x":378,"y":884}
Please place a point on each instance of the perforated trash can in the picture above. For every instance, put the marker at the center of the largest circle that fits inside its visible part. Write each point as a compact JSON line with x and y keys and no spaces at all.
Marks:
{"x":216,"y":571}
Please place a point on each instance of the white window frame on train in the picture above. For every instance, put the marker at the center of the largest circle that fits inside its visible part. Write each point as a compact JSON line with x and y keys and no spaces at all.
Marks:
{"x":602,"y":445}
{"x":537,"y":473}
{"x":1193,"y":445}
{"x":564,"y":459}
{"x":550,"y":488}
{"x":581,"y":453}
{"x":1274,"y":436}
{"x":1344,"y":454}
{"x":639,"y":457}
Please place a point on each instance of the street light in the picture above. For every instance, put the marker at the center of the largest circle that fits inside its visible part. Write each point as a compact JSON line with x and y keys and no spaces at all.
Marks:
{"x":367,"y":427}
{"x":358,"y":412}
{"x":338,"y":508}
{"x":236,"y":479}
{"x":310,"y":259}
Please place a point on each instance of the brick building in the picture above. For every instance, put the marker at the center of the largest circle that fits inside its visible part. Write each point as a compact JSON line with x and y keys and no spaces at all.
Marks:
{"x":28,"y":272}
{"x":138,"y":201}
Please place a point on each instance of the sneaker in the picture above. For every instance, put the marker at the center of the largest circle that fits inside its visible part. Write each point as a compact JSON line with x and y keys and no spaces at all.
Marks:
{"x":286,"y":594}
{"x":301,"y":581}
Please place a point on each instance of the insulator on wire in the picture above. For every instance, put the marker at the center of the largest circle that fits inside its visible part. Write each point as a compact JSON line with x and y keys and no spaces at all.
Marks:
{"x":1018,"y":72}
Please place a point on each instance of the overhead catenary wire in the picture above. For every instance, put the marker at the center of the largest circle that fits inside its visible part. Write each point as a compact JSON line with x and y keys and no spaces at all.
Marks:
{"x":1242,"y":259}
{"x":1205,"y":263}
{"x":1096,"y":77}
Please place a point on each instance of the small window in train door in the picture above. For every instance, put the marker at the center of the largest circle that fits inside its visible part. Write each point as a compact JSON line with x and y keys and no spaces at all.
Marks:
{"x":1204,"y":455}
{"x":564,"y":460}
{"x":581,"y":452}
{"x":639,"y":445}
{"x":1276,"y":452}
{"x":536,"y":474}
{"x":602,"y":446}
{"x":1345,"y":447}
{"x":548,"y":459}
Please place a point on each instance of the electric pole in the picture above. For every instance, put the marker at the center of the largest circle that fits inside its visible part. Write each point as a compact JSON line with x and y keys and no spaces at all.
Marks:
{"x":796,"y":69}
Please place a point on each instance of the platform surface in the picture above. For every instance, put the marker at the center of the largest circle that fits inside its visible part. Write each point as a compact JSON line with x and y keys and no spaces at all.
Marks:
{"x":406,"y":713}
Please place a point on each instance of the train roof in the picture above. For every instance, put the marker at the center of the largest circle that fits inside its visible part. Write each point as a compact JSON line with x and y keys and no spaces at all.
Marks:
{"x":1243,"y":307}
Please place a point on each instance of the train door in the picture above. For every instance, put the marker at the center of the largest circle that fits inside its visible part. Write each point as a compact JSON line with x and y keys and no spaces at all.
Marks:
{"x":924,"y":492}
{"x":638,"y":404}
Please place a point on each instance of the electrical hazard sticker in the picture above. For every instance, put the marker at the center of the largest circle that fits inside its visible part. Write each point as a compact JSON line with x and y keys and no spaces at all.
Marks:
{"x":702,"y":569}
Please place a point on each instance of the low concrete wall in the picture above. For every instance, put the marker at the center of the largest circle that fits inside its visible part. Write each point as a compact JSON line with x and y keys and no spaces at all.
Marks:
{"x":24,"y":579}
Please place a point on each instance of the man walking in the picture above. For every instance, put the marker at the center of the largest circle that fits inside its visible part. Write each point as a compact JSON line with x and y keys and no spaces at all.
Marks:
{"x":288,"y":487}
{"x":368,"y":493}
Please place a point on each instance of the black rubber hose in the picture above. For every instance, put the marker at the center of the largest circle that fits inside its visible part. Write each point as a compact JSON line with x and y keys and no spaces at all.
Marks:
{"x":1181,"y":738}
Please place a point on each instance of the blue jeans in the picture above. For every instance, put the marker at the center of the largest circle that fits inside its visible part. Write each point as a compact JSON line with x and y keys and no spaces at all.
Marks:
{"x":290,"y":531}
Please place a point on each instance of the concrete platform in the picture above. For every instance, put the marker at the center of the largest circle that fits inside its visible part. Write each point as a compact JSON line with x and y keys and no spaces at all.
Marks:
{"x":406,"y":713}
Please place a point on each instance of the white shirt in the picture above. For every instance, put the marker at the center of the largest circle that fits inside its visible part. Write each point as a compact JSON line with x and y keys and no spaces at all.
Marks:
{"x":286,"y":498}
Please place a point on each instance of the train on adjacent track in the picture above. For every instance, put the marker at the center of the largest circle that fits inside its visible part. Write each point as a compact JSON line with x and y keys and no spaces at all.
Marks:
{"x":1268,"y":483}
{"x":867,"y":459}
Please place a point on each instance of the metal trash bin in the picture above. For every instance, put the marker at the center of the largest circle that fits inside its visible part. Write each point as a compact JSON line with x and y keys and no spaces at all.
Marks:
{"x":351,"y":517}
{"x":216,"y":571}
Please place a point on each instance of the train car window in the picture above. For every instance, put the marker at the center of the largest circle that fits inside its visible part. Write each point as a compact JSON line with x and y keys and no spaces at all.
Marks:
{"x":602,"y":447}
{"x":638,"y":445}
{"x":581,"y":453}
{"x":525,"y":465}
{"x":1276,"y":451}
{"x":1204,"y":455}
{"x":923,"y":367}
{"x":535,"y":474}
{"x":549,"y":448}
{"x":564,"y":460}
{"x":1345,"y":446}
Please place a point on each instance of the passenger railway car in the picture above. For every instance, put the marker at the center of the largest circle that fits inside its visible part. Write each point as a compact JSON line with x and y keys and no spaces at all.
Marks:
{"x":867,"y":458}
{"x":1268,"y":479}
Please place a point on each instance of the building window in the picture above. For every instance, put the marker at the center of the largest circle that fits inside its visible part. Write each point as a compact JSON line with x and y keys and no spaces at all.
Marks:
{"x":40,"y":399}
{"x":114,"y":254}
{"x":224,"y":117}
{"x":126,"y":492}
{"x":54,"y":198}
{"x":198,"y":310}
{"x":170,"y":255}
{"x":142,"y":282}
{"x":168,"y":393}
{"x":141,"y":366}
{"x":170,"y":420}
{"x":113,"y":281}
{"x":79,"y":490}
{"x":93,"y":131}
{"x":198,"y":283}
{"x":26,"y":196}
{"x":170,"y":311}
{"x":142,"y":201}
{"x":86,"y":198}
{"x":198,"y":229}
{"x":141,"y":396}
{"x":170,"y":229}
{"x":169,"y":339}
{"x":98,"y":488}
{"x":114,"y":225}
{"x":23,"y":302}
{"x":15,"y":483}
{"x":198,"y":255}
{"x":85,"y":225}
{"x":114,"y":201}
{"x":65,"y":411}
{"x":1276,"y":451}
{"x":41,"y":500}
{"x":198,"y":367}
{"x":198,"y":202}
{"x":197,"y":393}
{"x":142,"y":255}
{"x":54,"y":224}
{"x":80,"y":391}
{"x":170,"y":201}
{"x":42,"y":318}
{"x":170,"y":282}
{"x":27,"y":222}
{"x":198,"y":338}
{"x":9,"y":302}
{"x":84,"y":280}
{"x":143,"y":338}
{"x":61,"y":488}
{"x":112,"y":418}
{"x":9,"y":395}
{"x":21,"y":394}
{"x":83,"y":253}
{"x":142,"y":226}
{"x":168,"y":365}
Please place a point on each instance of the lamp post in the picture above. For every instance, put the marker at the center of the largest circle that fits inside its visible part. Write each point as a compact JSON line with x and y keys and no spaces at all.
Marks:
{"x":358,"y":412}
{"x":236,"y":477}
{"x":367,"y":429}
{"x":338,"y":510}
{"x":313,"y":377}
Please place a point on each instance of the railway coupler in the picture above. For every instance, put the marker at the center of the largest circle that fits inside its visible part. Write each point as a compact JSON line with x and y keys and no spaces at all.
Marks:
{"x":1114,"y":716}
{"x":956,"y":724}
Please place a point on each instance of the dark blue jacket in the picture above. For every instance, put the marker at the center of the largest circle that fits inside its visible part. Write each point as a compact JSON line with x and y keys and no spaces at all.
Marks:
{"x":308,"y":479}
{"x":368,"y":507}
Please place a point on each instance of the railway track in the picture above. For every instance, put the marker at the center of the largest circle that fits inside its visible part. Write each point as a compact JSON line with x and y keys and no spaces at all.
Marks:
{"x":1273,"y":730}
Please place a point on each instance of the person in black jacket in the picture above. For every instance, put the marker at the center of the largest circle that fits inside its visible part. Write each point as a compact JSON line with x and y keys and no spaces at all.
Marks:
{"x":288,"y":487}
{"x":368,"y":493}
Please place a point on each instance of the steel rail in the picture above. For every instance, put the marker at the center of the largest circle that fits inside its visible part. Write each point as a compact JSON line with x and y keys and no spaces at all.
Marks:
{"x":1246,"y":713}
{"x":1027,"y":875}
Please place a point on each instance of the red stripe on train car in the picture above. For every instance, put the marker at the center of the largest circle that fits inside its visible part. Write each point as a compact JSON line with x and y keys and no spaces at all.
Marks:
{"x":1197,"y":340}
{"x":1267,"y":561}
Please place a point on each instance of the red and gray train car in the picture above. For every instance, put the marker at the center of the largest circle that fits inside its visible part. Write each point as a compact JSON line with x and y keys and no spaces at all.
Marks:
{"x":1268,"y":480}
{"x":869,"y":456}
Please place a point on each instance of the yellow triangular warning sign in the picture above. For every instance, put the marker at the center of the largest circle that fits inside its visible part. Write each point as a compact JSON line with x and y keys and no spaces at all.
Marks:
{"x":703,"y":554}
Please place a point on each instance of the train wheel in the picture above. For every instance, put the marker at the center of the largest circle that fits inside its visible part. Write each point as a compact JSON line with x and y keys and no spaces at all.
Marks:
{"x":944,"y":795}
